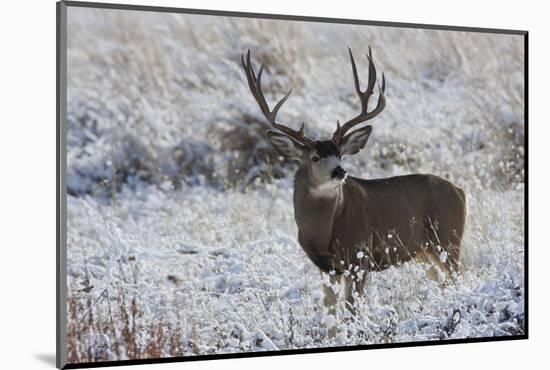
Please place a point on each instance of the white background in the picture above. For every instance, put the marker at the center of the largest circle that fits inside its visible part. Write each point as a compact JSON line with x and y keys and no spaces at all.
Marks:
{"x":27,"y":185}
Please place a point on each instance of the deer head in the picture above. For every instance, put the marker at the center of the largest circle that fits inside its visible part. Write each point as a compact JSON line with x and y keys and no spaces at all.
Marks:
{"x":321,"y":158}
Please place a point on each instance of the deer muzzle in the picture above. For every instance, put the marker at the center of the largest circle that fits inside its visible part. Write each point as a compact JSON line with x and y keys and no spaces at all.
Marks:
{"x":338,"y":173}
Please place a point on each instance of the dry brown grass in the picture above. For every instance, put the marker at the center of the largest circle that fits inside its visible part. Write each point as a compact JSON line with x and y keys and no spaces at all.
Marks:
{"x":93,"y":336}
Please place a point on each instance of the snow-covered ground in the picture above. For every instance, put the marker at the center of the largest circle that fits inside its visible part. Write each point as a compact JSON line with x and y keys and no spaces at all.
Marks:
{"x":181,"y":237}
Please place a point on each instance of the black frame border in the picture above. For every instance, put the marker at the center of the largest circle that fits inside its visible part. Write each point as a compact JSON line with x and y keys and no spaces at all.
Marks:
{"x":61,"y":194}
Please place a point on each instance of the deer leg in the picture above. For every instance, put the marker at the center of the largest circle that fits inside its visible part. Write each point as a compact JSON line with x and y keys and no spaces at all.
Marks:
{"x":448,"y":228}
{"x":446,"y":237}
{"x":331,"y":300}
{"x":331,"y":296}
{"x":451,"y":237}
{"x":449,"y":255}
{"x":349,"y":288}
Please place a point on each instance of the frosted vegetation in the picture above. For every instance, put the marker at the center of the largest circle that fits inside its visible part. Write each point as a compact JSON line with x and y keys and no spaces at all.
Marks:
{"x":181,"y":237}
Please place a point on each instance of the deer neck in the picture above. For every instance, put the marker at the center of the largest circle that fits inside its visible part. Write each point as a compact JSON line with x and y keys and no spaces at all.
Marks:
{"x":315,"y":209}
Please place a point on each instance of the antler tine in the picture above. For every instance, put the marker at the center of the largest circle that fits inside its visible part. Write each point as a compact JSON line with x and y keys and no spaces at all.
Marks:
{"x":364,"y":97}
{"x":372,"y":75}
{"x":355,"y":76}
{"x":255,"y":85}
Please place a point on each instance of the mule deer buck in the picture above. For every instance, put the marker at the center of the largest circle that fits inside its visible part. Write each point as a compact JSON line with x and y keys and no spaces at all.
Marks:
{"x":358,"y":225}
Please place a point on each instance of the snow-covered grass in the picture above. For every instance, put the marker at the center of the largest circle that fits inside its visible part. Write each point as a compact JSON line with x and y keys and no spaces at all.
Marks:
{"x":181,"y":237}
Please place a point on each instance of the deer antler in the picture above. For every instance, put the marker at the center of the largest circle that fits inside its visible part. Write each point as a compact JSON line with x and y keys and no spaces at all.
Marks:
{"x":255,"y":85}
{"x":364,"y":98}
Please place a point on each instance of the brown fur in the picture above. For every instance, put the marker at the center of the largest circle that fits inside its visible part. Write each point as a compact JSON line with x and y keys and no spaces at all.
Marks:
{"x":424,"y":214}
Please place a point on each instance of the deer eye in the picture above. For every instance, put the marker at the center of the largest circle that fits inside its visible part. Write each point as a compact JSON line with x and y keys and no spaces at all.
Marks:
{"x":315,"y":159}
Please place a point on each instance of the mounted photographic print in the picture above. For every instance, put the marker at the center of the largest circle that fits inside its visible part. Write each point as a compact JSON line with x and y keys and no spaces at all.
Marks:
{"x":236,"y":184}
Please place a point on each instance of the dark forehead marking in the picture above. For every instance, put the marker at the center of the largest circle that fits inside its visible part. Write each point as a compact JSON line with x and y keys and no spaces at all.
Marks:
{"x":326,"y":148}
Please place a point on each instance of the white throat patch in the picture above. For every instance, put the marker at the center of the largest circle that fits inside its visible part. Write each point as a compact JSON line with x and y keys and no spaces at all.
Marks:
{"x":327,"y":190}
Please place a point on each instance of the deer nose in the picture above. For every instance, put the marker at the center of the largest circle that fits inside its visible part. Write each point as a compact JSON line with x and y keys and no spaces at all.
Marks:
{"x":338,"y":173}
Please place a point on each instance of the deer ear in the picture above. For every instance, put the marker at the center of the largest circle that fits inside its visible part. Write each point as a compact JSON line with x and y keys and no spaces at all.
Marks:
{"x":355,"y":141}
{"x":285,"y":145}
